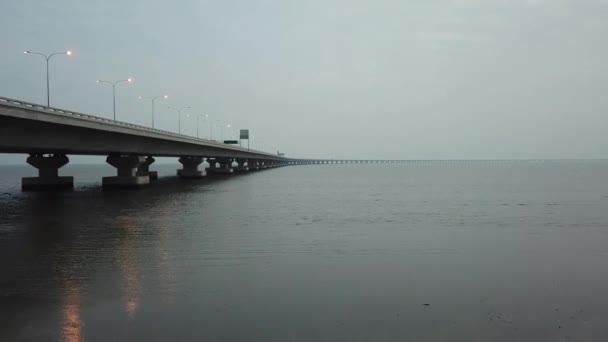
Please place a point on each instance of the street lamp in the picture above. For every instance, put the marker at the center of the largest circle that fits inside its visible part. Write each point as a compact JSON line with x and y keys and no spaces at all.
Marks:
{"x":128,"y":80}
{"x":179,"y":117}
{"x":197,"y":123}
{"x":221,"y":129}
{"x":48,"y":58}
{"x":153,"y":99}
{"x":213,"y":123}
{"x":210,"y":126}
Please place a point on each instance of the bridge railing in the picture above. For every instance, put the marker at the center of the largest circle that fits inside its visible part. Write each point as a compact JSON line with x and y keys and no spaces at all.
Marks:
{"x":93,"y":118}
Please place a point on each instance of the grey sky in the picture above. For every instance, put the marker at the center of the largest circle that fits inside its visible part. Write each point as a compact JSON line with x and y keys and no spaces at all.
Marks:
{"x":333,"y":78}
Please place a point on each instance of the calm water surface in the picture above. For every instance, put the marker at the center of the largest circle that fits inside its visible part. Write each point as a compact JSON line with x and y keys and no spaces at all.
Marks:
{"x":443,"y":252}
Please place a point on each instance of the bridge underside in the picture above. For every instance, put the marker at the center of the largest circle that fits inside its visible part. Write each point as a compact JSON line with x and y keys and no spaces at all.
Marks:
{"x":133,"y":171}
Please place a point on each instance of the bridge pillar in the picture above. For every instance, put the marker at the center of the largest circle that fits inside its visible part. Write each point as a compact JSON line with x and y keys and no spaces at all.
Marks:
{"x":253,"y":164}
{"x":48,"y":173}
{"x":189,"y":168}
{"x":242,"y":165}
{"x":144,"y":169}
{"x":221,"y":166}
{"x":126,"y":172}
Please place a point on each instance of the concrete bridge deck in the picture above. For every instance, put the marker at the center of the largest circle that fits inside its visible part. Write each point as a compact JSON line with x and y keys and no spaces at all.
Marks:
{"x":32,"y":128}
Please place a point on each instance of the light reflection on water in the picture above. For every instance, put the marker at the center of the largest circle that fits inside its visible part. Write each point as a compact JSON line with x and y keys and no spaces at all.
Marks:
{"x":127,"y":257}
{"x":166,"y":264}
{"x":72,"y":325}
{"x":337,"y":252}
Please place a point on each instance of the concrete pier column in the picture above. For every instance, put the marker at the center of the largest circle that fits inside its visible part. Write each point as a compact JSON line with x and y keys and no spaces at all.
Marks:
{"x":144,"y":169}
{"x":243,"y":165}
{"x":253,"y":164}
{"x":126,"y":172}
{"x":212,"y":164}
{"x":222,"y":166}
{"x":190,"y":167}
{"x":48,"y":173}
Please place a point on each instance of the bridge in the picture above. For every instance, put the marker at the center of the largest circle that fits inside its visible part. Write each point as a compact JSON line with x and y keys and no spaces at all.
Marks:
{"x":49,"y":135}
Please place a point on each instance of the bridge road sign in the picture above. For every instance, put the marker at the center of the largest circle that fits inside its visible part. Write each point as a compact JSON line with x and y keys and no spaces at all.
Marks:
{"x":244,"y":134}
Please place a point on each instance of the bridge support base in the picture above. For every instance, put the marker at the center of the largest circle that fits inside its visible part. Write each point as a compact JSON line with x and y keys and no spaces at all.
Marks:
{"x":48,"y":173}
{"x":243,"y":165}
{"x":144,"y":169}
{"x":126,"y":167}
{"x":221,"y":166}
{"x":190,"y":167}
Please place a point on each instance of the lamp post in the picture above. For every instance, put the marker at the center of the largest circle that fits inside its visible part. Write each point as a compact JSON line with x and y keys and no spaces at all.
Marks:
{"x":197,"y":117}
{"x":153,"y":99}
{"x":129,"y":80}
{"x":210,"y":127}
{"x":179,"y":117}
{"x":197,"y":124}
{"x":221,"y":129}
{"x":48,"y":58}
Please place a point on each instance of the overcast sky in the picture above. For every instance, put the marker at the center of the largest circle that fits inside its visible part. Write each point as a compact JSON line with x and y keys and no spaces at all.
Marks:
{"x":332,"y":78}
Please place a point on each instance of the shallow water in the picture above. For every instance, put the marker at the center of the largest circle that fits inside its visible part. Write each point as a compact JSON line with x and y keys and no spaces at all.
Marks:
{"x":426,"y":252}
